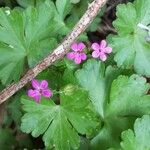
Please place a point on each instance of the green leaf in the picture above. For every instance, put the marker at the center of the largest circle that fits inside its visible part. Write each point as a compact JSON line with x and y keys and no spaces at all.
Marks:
{"x":53,"y":75}
{"x":139,"y":138}
{"x":60,"y":124}
{"x":24,"y":35}
{"x":99,"y":82}
{"x":79,"y":9}
{"x":113,"y":149}
{"x":63,"y":8}
{"x":75,"y":1}
{"x":6,"y":139}
{"x":129,"y":94}
{"x":68,"y":77}
{"x":26,"y":3}
{"x":119,"y":102}
{"x":130,"y":46}
{"x":14,"y":108}
{"x":128,"y":100}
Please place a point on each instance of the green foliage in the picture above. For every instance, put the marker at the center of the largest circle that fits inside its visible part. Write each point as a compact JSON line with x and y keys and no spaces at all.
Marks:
{"x":27,"y":3}
{"x":99,"y":82}
{"x":6,"y":139}
{"x":53,"y":75}
{"x":63,"y":8}
{"x":14,"y":109}
{"x":94,"y":105}
{"x":75,"y":1}
{"x":26,"y":36}
{"x":60,"y":124}
{"x":139,"y":138}
{"x":78,"y":10}
{"x":118,"y":102}
{"x":130,"y":46}
{"x":30,"y":32}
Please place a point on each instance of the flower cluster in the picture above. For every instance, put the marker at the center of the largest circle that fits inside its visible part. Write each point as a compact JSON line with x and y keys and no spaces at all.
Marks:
{"x":100,"y":50}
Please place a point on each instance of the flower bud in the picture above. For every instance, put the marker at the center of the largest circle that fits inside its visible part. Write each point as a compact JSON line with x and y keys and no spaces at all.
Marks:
{"x":69,"y":89}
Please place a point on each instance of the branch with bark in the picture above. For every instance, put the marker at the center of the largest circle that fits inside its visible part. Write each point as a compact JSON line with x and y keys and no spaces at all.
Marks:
{"x":57,"y":53}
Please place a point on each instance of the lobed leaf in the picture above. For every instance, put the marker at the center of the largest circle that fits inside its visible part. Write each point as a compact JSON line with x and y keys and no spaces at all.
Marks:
{"x":130,"y":46}
{"x":119,"y":102}
{"x":98,"y":83}
{"x":60,"y":124}
{"x":24,"y":35}
{"x":139,"y":138}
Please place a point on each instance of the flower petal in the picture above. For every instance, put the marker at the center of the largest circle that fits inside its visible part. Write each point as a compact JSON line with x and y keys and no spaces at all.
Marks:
{"x":108,"y":50}
{"x":35,"y":84}
{"x":77,"y":59}
{"x":74,"y":47}
{"x":83,"y":56}
{"x":71,"y":55}
{"x":103,"y":56}
{"x":47,"y":93}
{"x":95,"y":46}
{"x":103,"y":44}
{"x":44,"y":84}
{"x":95,"y":54}
{"x":37,"y":98}
{"x":81,"y":46}
{"x":33,"y":93}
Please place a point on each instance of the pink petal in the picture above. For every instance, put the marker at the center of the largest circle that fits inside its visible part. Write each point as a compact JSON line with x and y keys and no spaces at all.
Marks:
{"x":77,"y":59}
{"x":71,"y":55}
{"x":37,"y":98}
{"x":103,"y":44}
{"x":44,"y":84}
{"x":103,"y":56}
{"x":35,"y":84}
{"x":33,"y":93}
{"x":83,"y":56}
{"x":95,"y":46}
{"x":81,"y":46}
{"x":74,"y":47}
{"x":95,"y":54}
{"x":108,"y":50}
{"x":47,"y":93}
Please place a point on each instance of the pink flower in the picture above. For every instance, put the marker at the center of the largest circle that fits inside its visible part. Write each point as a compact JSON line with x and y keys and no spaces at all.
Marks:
{"x":78,"y":54}
{"x":39,"y":89}
{"x":101,"y":50}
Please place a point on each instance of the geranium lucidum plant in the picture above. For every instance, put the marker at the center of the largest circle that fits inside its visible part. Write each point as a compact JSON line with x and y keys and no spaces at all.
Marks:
{"x":95,"y":97}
